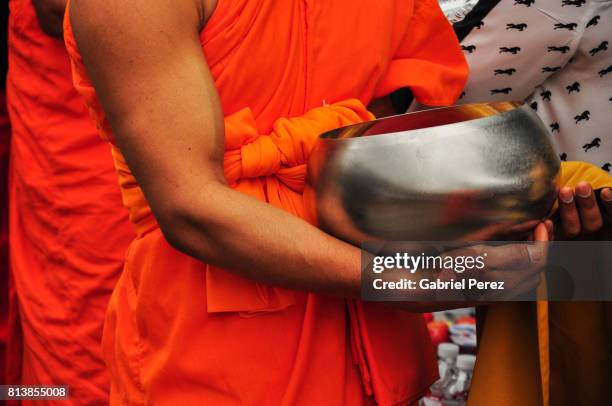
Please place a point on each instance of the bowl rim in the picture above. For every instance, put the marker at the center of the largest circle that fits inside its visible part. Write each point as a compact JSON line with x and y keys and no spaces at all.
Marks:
{"x":362,"y":130}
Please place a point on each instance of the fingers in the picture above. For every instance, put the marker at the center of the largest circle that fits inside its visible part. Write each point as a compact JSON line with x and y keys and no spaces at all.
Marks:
{"x":516,"y":281}
{"x":606,"y":200}
{"x":520,"y":265}
{"x":579,"y":211}
{"x":550,"y":231}
{"x":517,"y":256}
{"x":588,"y":208}
{"x":550,"y":228}
{"x":542,"y":231}
{"x":570,"y":220}
{"x":519,"y":232}
{"x":538,"y":251}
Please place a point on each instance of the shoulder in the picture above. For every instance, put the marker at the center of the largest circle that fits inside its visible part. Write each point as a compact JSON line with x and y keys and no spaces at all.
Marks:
{"x":152,"y":15}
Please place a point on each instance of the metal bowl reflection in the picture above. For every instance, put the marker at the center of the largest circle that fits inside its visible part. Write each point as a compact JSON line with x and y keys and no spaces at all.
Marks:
{"x":471,"y":172}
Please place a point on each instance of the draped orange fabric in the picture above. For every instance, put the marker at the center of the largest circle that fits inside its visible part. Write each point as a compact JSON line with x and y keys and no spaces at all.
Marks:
{"x":5,"y":137}
{"x":68,"y":229}
{"x":178,"y":330}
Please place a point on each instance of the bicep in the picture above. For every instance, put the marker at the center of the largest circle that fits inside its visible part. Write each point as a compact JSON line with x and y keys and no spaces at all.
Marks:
{"x":146,"y":63}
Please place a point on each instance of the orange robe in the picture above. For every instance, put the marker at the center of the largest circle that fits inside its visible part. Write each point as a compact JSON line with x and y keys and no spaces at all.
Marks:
{"x":5,"y":137}
{"x":68,"y":230}
{"x":181,"y":332}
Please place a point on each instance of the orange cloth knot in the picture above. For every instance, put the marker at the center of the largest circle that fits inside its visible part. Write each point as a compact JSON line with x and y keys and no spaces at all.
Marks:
{"x":260,"y":158}
{"x":283,"y":153}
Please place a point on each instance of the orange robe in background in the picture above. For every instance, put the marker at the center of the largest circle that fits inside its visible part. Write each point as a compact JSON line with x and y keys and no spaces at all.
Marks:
{"x":68,"y":229}
{"x":5,"y":139}
{"x":179,"y":331}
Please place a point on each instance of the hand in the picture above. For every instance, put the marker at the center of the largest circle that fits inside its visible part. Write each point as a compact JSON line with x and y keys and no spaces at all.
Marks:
{"x":519,"y":265}
{"x":579,"y":211}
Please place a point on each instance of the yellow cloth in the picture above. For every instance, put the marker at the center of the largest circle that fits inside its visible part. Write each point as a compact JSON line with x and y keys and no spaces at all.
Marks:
{"x":513,"y":366}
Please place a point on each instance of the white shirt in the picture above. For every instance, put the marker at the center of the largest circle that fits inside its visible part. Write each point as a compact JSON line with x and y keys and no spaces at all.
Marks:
{"x":556,"y":55}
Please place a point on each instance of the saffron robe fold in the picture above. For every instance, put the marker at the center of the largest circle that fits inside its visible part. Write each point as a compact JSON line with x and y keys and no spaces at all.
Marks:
{"x":68,"y":231}
{"x":5,"y":139}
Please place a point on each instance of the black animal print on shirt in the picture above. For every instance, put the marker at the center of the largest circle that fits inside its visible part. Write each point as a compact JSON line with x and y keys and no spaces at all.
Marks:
{"x":596,"y":143}
{"x":577,"y":3}
{"x":568,"y":26}
{"x":519,"y":26}
{"x":563,"y":49}
{"x":505,"y":90}
{"x":574,"y":87}
{"x":593,"y":21}
{"x":599,"y":48}
{"x":509,"y":50}
{"x":527,"y":3}
{"x":509,"y":71}
{"x":585,"y":115}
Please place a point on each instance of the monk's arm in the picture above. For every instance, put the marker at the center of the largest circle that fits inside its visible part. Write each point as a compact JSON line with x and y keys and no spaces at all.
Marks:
{"x":50,"y":14}
{"x":146,"y":63}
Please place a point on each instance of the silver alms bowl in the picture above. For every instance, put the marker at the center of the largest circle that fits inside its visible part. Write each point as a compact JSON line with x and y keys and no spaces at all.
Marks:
{"x":471,"y":172}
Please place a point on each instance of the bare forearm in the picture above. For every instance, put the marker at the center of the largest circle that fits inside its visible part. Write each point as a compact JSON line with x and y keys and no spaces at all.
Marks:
{"x":50,"y":15}
{"x":260,"y":242}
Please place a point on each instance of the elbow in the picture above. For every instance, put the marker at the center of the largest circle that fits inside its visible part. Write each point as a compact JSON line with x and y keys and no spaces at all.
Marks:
{"x":175,"y":236}
{"x":175,"y":224}
{"x":50,"y":14}
{"x":190,"y":227}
